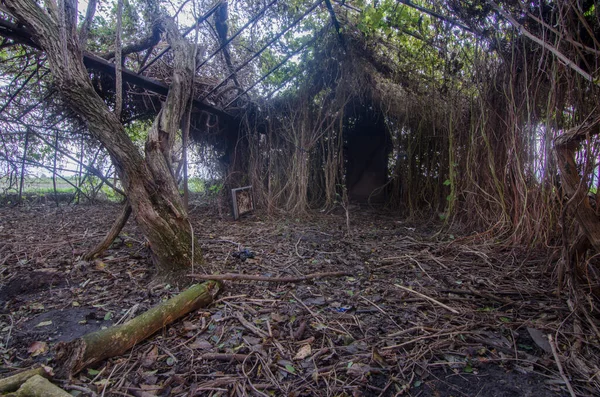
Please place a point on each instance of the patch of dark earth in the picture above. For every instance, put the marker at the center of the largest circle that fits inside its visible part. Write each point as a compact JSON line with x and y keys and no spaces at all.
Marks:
{"x":468,"y":333}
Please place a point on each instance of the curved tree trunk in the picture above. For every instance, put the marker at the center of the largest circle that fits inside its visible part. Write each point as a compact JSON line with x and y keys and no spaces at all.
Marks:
{"x":148,"y":181}
{"x":112,"y":234}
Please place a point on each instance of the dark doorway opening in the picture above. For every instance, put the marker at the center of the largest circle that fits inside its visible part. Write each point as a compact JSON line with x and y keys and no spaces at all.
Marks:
{"x":367,"y":147}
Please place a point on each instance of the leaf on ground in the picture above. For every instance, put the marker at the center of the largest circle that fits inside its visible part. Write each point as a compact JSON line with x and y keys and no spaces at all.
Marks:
{"x":303,"y":352}
{"x":201,"y":344}
{"x":251,"y":340}
{"x":540,"y":339}
{"x":102,"y":382}
{"x":44,"y":323}
{"x":150,"y":389}
{"x":358,"y":370}
{"x":278,"y":318}
{"x":454,"y":360}
{"x":189,"y":326}
{"x":318,"y":326}
{"x":318,"y":301}
{"x":37,"y":348}
{"x":151,"y":357}
{"x":375,"y":356}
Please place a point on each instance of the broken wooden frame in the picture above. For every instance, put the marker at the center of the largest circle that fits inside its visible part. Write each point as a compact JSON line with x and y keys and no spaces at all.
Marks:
{"x":243,"y":201}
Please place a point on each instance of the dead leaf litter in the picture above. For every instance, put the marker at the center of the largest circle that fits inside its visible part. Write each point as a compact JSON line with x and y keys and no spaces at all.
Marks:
{"x":421,"y":313}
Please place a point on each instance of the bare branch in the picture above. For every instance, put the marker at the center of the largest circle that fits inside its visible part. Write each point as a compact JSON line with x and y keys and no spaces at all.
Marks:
{"x":87,"y":22}
{"x":569,"y":63}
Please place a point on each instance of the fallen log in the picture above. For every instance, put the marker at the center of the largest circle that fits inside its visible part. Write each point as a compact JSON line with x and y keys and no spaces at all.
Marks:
{"x":237,"y":276}
{"x":38,"y":386}
{"x":13,"y":382}
{"x":74,"y":356}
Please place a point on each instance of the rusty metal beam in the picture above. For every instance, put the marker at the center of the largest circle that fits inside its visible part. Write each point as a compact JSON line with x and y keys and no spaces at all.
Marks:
{"x":252,"y":20}
{"x":185,"y":33}
{"x":274,"y":39}
{"x":271,"y":71}
{"x":91,"y":61}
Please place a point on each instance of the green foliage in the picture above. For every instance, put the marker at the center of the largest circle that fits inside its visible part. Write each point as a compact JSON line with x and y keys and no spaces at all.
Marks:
{"x":110,"y":194}
{"x":216,"y":188}
{"x":138,"y":131}
{"x":197,"y":185}
{"x":102,"y":32}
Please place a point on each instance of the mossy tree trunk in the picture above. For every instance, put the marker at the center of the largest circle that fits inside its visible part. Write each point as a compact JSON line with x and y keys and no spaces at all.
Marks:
{"x":147,"y":180}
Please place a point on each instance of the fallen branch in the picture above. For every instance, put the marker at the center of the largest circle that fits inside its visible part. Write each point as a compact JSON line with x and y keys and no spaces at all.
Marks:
{"x":256,"y":331}
{"x":38,"y":386}
{"x":13,"y":382}
{"x":237,"y":276}
{"x":428,"y":298}
{"x":560,"y":367}
{"x":74,"y":356}
{"x":225,"y":357}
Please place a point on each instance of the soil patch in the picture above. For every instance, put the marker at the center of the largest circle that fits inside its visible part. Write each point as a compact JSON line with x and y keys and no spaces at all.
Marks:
{"x":489,"y":381}
{"x":30,"y":283}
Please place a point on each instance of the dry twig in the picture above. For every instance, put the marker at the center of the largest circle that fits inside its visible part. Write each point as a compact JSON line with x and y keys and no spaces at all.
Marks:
{"x":560,"y":367}
{"x":237,"y":276}
{"x":429,"y":299}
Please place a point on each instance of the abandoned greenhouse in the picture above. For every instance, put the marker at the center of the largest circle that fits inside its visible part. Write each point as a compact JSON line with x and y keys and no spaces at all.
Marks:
{"x":300,"y":198}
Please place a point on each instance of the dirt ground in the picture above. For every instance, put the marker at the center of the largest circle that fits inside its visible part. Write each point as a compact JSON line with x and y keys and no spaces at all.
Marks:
{"x":422,"y":313}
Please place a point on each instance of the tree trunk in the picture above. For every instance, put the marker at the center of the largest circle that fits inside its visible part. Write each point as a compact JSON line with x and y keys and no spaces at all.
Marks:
{"x":149,"y":182}
{"x":576,"y":188}
{"x":566,"y":145}
{"x":112,"y":234}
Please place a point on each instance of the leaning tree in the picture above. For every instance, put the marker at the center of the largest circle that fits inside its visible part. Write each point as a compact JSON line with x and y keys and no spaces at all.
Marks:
{"x":147,"y":179}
